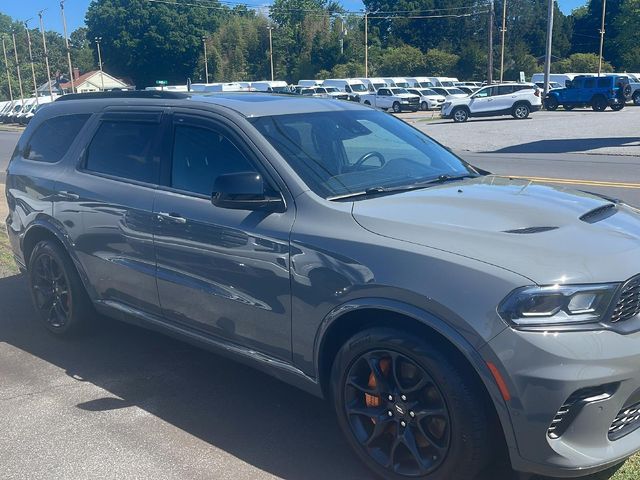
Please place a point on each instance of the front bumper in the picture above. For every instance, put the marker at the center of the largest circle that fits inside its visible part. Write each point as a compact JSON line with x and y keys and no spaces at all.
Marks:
{"x":542,"y":371}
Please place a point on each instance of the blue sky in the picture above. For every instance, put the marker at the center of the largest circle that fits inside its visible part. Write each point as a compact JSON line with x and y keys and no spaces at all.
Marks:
{"x":75,"y":10}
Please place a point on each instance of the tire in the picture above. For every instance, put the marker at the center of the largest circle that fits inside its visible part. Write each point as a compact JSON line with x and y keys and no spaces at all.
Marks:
{"x":617,"y":107}
{"x":520,"y":111}
{"x":636,"y":98}
{"x":424,"y":106}
{"x":551,"y":103}
{"x":57,"y":292}
{"x":599,"y":104}
{"x":396,"y":107}
{"x":367,"y":102}
{"x":460,"y":115}
{"x":460,"y":437}
{"x":627,"y":90}
{"x":568,"y":108}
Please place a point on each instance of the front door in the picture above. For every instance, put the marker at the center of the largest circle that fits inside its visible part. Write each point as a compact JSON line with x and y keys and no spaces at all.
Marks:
{"x":220,"y":271}
{"x":482,"y":101}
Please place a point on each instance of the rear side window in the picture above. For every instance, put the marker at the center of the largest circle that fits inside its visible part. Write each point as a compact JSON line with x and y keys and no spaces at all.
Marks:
{"x":504,"y":90}
{"x":125,"y":149}
{"x":590,"y":83}
{"x":52,"y":139}
{"x":603,"y":83}
{"x":201,"y":155}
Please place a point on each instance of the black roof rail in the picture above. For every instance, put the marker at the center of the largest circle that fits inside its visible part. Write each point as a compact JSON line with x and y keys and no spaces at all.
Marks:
{"x":125,"y":94}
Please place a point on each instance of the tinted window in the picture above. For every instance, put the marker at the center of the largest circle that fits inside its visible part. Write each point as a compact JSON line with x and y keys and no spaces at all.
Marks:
{"x":201,"y":155}
{"x":126,"y":150}
{"x":603,"y":82}
{"x":590,"y":83}
{"x":504,"y":90}
{"x":53,"y":138}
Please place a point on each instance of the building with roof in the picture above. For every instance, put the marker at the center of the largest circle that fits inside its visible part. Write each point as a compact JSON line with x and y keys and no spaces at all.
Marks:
{"x":94,"y":81}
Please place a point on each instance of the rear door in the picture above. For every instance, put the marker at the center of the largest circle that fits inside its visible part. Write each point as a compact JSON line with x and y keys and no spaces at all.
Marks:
{"x":106,"y":205}
{"x":220,"y":271}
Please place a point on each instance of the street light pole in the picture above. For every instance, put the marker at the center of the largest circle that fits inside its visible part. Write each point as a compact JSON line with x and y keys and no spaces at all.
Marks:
{"x":98,"y":40}
{"x":490,"y":28}
{"x":271,"y":52}
{"x":366,"y":44}
{"x":46,"y":55}
{"x":66,"y":41}
{"x":15,"y":51}
{"x":547,"y":60}
{"x":604,"y":14}
{"x":6,"y":64}
{"x":206,"y":61}
{"x":33,"y":68}
{"x":503,"y":30}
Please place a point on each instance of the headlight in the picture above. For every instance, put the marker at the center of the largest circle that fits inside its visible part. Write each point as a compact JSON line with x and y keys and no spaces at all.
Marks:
{"x":557,"y":305}
{"x":404,"y":101}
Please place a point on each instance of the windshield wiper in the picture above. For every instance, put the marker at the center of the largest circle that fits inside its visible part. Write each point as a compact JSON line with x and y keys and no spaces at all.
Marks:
{"x":374,"y":191}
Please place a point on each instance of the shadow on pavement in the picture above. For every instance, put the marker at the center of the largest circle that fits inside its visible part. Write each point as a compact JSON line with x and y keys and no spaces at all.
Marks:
{"x":571,"y":145}
{"x":248,"y":414}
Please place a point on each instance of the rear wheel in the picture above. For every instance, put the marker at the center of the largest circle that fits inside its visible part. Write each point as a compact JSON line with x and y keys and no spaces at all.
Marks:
{"x":57,"y":291}
{"x":424,"y":106}
{"x":408,"y":410}
{"x":396,"y":107}
{"x":460,"y":115}
{"x":599,"y":104}
{"x":551,"y":103}
{"x":636,"y":98}
{"x":520,"y":111}
{"x":617,"y":107}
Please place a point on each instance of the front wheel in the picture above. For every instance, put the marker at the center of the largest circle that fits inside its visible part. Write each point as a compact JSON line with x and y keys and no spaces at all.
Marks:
{"x":396,"y":107}
{"x":409,"y":410}
{"x":521,"y":111}
{"x":460,"y":115}
{"x":424,"y":106}
{"x":551,"y":103}
{"x":636,"y":98}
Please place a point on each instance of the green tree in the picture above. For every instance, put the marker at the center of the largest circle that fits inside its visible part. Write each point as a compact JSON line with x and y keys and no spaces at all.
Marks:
{"x":580,"y":63}
{"x":403,"y":60}
{"x":440,"y":63}
{"x":628,"y":26}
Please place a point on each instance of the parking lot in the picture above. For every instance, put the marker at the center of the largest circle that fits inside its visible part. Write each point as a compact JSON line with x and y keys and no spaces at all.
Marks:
{"x":128,"y":403}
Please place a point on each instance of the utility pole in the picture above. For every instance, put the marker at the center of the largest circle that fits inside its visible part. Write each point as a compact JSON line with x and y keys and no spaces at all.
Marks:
{"x":490,"y":27}
{"x":6,"y":64}
{"x":46,"y":55}
{"x":15,"y":51}
{"x":66,"y":41}
{"x":206,"y":61}
{"x":503,"y":30}
{"x":604,"y":14}
{"x":366,"y":44}
{"x":98,"y":40}
{"x":33,"y":69}
{"x":547,"y":60}
{"x":271,"y":52}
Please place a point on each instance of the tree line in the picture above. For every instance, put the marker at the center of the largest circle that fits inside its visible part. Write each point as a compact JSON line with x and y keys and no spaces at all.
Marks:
{"x":149,"y":40}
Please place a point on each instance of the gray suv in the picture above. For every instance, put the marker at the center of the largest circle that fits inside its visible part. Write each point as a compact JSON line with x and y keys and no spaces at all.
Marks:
{"x":448,"y":314}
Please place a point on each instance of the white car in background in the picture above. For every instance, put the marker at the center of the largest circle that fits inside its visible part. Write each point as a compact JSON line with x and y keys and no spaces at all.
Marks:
{"x":429,"y":100}
{"x":354,"y":87}
{"x":421,"y":82}
{"x":277,"y":86}
{"x":395,"y":99}
{"x":515,"y":99}
{"x":450,"y":93}
{"x":399,"y":82}
{"x":374,"y":84}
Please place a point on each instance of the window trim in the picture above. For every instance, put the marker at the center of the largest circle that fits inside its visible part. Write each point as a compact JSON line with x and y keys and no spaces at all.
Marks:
{"x":126,"y":116}
{"x":74,"y":142}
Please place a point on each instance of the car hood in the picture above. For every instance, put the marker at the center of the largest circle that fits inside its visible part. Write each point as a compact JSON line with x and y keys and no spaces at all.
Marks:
{"x":406,"y":95}
{"x":435,"y":97}
{"x":548,"y":234}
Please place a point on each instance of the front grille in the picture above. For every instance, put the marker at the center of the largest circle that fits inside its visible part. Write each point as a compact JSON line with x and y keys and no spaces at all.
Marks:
{"x":627,"y":421}
{"x":572,"y":406}
{"x":628,"y":305}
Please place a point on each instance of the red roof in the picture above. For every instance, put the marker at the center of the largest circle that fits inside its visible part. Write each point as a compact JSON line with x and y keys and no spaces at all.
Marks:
{"x":80,"y":79}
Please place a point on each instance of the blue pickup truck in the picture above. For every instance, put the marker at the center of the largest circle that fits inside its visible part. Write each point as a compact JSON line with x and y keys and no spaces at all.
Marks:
{"x":589,"y":91}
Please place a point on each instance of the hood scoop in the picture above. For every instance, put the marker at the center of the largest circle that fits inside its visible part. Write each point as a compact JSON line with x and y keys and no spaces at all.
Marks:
{"x":530,"y":230}
{"x":598,"y":214}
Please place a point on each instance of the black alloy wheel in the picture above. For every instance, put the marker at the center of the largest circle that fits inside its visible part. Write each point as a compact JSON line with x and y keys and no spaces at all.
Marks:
{"x":51,"y":292}
{"x":397,"y":412}
{"x":599,"y":104}
{"x":551,"y":103}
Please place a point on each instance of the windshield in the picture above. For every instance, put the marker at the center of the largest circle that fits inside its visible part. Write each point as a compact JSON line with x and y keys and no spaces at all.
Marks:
{"x":280,"y":89}
{"x":426,"y":84}
{"x":402,"y":84}
{"x":331,"y":89}
{"x":428,"y":91}
{"x":398,"y":91}
{"x":358,"y":87}
{"x":340,"y":153}
{"x":378,"y":86}
{"x":455,"y":91}
{"x":447,"y":84}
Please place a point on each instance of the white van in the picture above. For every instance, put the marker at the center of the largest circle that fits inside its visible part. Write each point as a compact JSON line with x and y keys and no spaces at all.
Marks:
{"x":352,"y":86}
{"x":421,"y":82}
{"x":374,"y":84}
{"x":41,"y":102}
{"x":310,"y":83}
{"x":445,"y":81}
{"x":560,"y":78}
{"x":277,"y":86}
{"x":400,"y":82}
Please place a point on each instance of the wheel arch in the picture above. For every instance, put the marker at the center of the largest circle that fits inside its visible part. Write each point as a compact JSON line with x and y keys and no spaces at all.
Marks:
{"x":346,"y":320}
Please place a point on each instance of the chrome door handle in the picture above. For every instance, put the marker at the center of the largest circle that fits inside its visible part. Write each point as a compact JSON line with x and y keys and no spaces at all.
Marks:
{"x":172,"y":217}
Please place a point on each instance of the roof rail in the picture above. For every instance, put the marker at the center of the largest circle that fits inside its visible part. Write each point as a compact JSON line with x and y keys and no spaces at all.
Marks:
{"x":125,"y":94}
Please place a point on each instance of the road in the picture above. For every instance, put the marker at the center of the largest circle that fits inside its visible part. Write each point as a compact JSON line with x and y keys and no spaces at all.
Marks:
{"x":128,"y":403}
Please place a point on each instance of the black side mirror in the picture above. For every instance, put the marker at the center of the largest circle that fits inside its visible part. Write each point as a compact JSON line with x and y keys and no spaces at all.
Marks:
{"x":244,"y":191}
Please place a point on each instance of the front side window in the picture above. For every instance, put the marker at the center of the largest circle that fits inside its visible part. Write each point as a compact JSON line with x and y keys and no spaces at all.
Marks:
{"x":126,"y":150}
{"x":484,"y":93}
{"x":201,"y":155}
{"x":340,"y":153}
{"x":53,"y":137}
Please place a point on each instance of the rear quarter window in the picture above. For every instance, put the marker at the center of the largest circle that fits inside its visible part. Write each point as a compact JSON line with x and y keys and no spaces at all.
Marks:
{"x":52,"y":139}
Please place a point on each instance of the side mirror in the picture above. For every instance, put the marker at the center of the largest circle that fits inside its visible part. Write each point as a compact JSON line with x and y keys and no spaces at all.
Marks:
{"x":244,"y":191}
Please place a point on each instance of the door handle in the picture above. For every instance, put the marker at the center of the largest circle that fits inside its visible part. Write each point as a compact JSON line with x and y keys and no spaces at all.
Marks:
{"x":172,"y":217}
{"x":64,"y":195}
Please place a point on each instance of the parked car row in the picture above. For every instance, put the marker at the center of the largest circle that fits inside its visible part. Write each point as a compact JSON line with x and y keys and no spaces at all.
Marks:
{"x":612,"y":91}
{"x":21,"y":111}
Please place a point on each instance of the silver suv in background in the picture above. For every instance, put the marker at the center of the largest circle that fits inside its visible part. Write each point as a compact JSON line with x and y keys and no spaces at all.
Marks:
{"x":450,"y":316}
{"x":515,"y":99}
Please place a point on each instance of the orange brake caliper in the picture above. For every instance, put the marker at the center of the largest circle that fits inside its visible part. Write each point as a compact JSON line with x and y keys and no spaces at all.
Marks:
{"x":374,"y":400}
